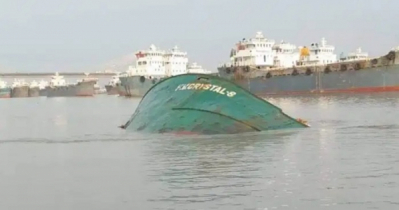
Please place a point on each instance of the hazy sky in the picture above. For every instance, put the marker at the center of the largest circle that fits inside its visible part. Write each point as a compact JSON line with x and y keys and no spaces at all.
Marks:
{"x":62,"y":35}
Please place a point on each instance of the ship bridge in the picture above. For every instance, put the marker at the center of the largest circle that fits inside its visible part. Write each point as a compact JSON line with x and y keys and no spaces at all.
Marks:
{"x":255,"y":51}
{"x":357,"y":55}
{"x":318,"y":53}
{"x":286,"y":54}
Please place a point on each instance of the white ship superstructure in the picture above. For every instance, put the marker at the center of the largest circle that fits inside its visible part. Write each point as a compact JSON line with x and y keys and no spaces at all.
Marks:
{"x":357,"y":55}
{"x":43,"y":84}
{"x":257,"y":51}
{"x":175,"y":62}
{"x":115,"y":79}
{"x":33,"y":84}
{"x":195,"y":68}
{"x":57,"y":80}
{"x":286,"y":54}
{"x":159,"y":63}
{"x":150,"y":62}
{"x":319,"y":53}
{"x":19,"y":83}
{"x":265,"y":53}
{"x":3,"y":84}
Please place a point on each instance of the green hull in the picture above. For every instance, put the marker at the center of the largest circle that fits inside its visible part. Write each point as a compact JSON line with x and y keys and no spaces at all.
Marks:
{"x":205,"y":104}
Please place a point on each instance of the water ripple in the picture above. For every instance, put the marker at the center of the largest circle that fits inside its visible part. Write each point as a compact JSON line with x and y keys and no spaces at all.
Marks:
{"x":58,"y":159}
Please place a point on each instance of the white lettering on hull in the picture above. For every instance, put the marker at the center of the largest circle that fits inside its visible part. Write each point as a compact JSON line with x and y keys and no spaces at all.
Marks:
{"x":208,"y":87}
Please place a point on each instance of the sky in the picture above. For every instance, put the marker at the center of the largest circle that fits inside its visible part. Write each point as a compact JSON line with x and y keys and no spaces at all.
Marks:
{"x":80,"y":35}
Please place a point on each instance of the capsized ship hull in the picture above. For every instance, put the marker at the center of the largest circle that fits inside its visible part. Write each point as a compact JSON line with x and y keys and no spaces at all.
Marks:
{"x":205,"y":104}
{"x":85,"y":88}
{"x":376,"y":75}
{"x":137,"y":86}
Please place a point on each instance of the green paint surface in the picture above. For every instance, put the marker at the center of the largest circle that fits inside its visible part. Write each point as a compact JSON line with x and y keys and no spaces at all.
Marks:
{"x":205,"y":104}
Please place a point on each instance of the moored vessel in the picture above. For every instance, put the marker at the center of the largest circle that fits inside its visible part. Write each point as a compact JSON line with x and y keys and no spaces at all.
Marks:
{"x":123,"y":79}
{"x":5,"y":90}
{"x":59,"y":88}
{"x":97,"y":88}
{"x":266,"y":68}
{"x":153,"y":65}
{"x":42,"y":87}
{"x":34,"y":90}
{"x":113,"y":85}
{"x":19,"y":89}
{"x":205,"y":104}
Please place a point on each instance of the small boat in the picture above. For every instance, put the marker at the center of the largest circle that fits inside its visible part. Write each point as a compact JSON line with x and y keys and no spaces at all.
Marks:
{"x":205,"y":104}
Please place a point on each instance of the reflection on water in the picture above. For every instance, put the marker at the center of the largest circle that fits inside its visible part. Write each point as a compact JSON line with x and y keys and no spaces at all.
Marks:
{"x":69,"y":154}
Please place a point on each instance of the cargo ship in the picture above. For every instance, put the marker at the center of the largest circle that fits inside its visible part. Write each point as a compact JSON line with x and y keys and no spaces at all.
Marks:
{"x":19,"y":89}
{"x":42,"y":88}
{"x":153,"y":65}
{"x":113,"y":85}
{"x":5,"y":90}
{"x":58,"y":87}
{"x":266,"y":68}
{"x":34,"y":90}
{"x":121,"y":88}
{"x":98,"y":89}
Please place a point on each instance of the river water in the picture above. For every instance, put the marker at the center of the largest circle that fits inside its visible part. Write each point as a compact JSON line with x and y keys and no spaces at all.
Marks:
{"x":68,"y":153}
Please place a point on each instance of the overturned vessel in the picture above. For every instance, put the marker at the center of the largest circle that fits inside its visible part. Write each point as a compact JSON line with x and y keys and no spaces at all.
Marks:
{"x":205,"y":104}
